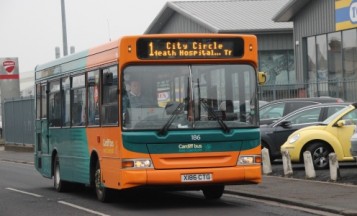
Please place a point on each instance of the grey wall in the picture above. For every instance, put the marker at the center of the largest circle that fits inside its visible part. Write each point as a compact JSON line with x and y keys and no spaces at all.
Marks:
{"x":270,"y":41}
{"x":317,"y":17}
{"x":275,"y":42}
{"x":19,"y":121}
{"x":181,"y":24}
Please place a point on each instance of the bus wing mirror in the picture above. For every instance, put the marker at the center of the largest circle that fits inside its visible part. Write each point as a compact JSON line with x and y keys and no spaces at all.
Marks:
{"x":262,"y":77}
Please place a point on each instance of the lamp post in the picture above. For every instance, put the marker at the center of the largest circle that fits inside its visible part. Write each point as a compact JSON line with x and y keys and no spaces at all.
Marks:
{"x":64,"y":31}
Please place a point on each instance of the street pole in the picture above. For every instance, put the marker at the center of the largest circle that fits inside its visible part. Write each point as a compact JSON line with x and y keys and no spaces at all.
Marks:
{"x":64,"y":31}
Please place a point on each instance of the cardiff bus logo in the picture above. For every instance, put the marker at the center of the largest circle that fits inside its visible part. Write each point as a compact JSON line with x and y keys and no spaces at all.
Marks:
{"x":9,"y":65}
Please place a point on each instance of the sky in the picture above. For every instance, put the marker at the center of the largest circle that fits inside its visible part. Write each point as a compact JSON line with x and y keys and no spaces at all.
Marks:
{"x":31,"y":29}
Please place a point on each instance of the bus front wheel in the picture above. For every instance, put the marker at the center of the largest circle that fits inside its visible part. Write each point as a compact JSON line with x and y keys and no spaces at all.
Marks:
{"x":213,"y":191}
{"x":103,"y":193}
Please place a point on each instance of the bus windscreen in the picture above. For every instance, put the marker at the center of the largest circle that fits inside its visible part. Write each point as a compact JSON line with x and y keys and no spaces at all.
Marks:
{"x":189,"y":48}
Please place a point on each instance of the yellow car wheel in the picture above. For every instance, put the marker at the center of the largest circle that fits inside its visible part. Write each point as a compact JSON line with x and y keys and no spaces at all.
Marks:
{"x":320,"y":154}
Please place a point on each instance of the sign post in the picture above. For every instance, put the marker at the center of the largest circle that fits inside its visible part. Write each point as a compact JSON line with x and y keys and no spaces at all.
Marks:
{"x":9,"y":82}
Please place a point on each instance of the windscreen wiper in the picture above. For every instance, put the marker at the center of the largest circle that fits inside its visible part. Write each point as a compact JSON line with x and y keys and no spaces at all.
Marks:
{"x":177,"y":111}
{"x":212,"y":113}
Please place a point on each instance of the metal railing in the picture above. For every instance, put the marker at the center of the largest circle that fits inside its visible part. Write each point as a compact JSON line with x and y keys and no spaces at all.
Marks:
{"x":344,"y":89}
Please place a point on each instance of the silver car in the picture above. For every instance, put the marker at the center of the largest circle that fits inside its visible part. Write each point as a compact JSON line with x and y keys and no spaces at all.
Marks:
{"x":354,"y":144}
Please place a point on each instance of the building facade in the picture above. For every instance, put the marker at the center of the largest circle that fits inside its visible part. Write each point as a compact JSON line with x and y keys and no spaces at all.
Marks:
{"x":275,"y":39}
{"x":325,"y":39}
{"x":313,"y":54}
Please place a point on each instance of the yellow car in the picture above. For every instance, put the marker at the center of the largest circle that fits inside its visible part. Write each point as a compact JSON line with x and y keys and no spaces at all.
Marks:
{"x":332,"y":135}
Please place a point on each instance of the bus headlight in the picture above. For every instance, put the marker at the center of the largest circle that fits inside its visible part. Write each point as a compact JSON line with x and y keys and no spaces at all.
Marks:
{"x":137,"y":163}
{"x":249,"y":160}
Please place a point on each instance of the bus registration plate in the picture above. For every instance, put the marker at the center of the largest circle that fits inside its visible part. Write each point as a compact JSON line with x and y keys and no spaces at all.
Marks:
{"x":200,"y":177}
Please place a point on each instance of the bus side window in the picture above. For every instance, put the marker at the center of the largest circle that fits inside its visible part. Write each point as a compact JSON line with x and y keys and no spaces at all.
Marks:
{"x":55,"y":104}
{"x":93,"y":98}
{"x":109,"y":107}
{"x":38,"y":101}
{"x":78,"y":100}
{"x":66,"y":99}
{"x":44,"y":101}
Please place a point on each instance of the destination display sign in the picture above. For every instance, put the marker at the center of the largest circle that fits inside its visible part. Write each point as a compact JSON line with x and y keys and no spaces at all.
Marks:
{"x":187,"y":48}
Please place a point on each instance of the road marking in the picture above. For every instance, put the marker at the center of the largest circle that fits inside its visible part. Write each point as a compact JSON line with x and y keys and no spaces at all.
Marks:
{"x":82,"y":208}
{"x":267,"y":202}
{"x":17,"y":162}
{"x":278,"y":204}
{"x":24,"y":192}
{"x":315,"y":181}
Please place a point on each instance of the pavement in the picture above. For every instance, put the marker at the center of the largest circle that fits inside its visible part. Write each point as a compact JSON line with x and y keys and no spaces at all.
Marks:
{"x":333,"y":197}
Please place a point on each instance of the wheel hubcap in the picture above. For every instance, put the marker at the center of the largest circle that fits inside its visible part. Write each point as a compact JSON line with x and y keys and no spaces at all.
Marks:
{"x":57,"y":176}
{"x":320,"y":157}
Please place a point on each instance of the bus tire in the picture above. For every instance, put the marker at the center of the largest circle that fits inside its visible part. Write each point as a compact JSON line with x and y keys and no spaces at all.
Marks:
{"x":58,"y":183}
{"x":103,"y":193}
{"x":213,"y":192}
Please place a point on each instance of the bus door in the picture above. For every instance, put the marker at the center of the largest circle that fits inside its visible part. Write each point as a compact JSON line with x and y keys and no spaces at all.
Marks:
{"x":42,"y":157}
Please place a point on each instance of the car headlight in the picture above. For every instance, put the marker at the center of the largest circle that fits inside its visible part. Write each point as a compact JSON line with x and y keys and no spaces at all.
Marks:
{"x":294,"y":138}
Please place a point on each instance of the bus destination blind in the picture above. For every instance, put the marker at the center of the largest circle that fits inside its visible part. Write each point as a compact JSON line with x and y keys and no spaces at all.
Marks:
{"x":187,"y":48}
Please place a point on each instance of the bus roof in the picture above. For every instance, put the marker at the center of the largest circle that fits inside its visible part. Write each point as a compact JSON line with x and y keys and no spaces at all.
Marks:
{"x":81,"y":60}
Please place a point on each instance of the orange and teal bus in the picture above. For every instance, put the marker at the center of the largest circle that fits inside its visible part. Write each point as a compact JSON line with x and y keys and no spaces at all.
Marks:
{"x":197,"y":127}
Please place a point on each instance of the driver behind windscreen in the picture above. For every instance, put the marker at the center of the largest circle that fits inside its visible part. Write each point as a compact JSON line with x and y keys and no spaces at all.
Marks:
{"x":136,"y":98}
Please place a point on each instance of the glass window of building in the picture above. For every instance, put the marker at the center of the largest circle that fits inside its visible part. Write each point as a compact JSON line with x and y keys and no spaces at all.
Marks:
{"x":335,"y":73}
{"x":311,"y":59}
{"x":331,"y":64}
{"x":279,"y":66}
{"x":349,"y":50}
{"x":321,"y":65}
{"x":321,"y":58}
{"x":334,"y":56}
{"x":349,"y":53}
{"x":311,"y":66}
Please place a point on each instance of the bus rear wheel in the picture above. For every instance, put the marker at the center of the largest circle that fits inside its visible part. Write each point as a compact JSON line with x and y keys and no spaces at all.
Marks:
{"x":103,"y":193}
{"x":213,"y":192}
{"x":58,"y":183}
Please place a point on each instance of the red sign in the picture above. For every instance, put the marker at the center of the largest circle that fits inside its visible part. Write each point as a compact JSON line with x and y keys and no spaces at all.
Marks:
{"x":9,"y":65}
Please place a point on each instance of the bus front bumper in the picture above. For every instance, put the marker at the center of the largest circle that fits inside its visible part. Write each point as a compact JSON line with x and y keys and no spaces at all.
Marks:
{"x":187,"y":177}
